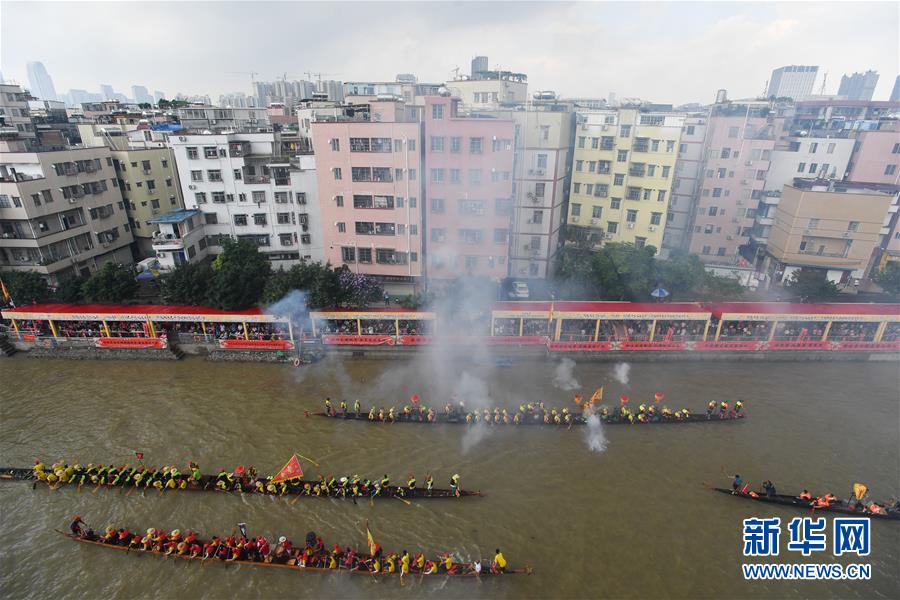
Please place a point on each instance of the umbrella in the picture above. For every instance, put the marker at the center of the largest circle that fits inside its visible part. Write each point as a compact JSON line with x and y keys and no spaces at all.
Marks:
{"x":659,"y":293}
{"x":145,"y":276}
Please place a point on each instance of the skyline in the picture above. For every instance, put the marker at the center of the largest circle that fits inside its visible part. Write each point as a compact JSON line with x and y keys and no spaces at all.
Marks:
{"x":574,"y":40}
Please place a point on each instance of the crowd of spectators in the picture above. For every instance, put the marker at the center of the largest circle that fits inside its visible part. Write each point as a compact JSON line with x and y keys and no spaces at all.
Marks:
{"x":742,"y":330}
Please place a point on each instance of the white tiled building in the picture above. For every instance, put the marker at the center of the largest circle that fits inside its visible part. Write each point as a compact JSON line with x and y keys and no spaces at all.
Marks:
{"x":251,"y":186}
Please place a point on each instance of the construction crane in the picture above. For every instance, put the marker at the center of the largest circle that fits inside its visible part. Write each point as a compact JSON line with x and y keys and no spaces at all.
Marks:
{"x":318,"y":76}
{"x":252,"y":75}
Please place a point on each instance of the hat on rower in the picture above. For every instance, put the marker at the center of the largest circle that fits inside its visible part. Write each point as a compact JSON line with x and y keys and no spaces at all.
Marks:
{"x":175,"y":533}
{"x":282,"y":540}
{"x":151,"y":531}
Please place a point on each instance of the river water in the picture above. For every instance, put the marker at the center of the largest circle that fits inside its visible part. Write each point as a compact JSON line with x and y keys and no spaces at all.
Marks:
{"x":633,"y":520}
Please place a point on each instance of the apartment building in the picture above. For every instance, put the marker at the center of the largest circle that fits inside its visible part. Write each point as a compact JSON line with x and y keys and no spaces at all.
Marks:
{"x":740,"y":137}
{"x":686,"y":186}
{"x":369,"y":175}
{"x":490,"y":89}
{"x":214,"y":118}
{"x":827,"y":226}
{"x":148,"y":179}
{"x":876,"y":155}
{"x":468,"y":192}
{"x":859,"y":86}
{"x":792,"y":81}
{"x":810,"y":157}
{"x":254,"y":187}
{"x":624,"y":163}
{"x":541,"y":182}
{"x":61,"y":212}
{"x":15,"y":120}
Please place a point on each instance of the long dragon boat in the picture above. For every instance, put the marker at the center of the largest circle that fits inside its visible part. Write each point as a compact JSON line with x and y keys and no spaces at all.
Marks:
{"x":536,"y":418}
{"x":807,"y":505}
{"x":362,"y":565}
{"x":243,"y":485}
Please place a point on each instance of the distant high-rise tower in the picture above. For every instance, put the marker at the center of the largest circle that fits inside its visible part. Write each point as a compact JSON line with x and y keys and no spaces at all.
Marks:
{"x":41,"y":83}
{"x":158,"y":95}
{"x":895,"y":93}
{"x":859,"y":86}
{"x":479,"y":64}
{"x":107,"y":92}
{"x":793,"y":81}
{"x":141,"y":95}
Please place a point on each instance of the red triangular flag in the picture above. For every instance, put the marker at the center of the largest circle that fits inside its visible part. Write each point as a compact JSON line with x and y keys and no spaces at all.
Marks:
{"x":291,"y":470}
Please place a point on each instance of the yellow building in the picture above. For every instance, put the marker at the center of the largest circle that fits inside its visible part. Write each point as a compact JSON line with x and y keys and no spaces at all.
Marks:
{"x":146,"y":174}
{"x":622,"y":174}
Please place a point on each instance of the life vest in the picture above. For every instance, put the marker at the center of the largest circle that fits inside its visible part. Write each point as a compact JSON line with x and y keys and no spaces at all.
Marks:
{"x":500,"y":560}
{"x":805,"y":496}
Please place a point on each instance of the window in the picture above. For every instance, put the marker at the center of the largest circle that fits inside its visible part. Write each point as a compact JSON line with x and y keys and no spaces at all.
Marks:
{"x":625,"y":131}
{"x":208,"y":152}
{"x":399,"y":201}
{"x":803,"y":245}
{"x":398,"y":174}
{"x":579,"y":164}
{"x":240,"y":220}
{"x":894,"y":150}
{"x":581,"y":140}
{"x":476,"y":145}
{"x":437,"y":111}
{"x":647,"y":193}
{"x":813,"y":146}
{"x":813,"y":224}
{"x":713,"y":211}
{"x":336,"y":172}
{"x":655,"y":218}
{"x":890,"y":169}
{"x":259,"y":219}
{"x":612,"y":227}
{"x":411,"y":145}
{"x":437,"y":144}
{"x":283,"y":218}
{"x":576,"y":187}
{"x":412,"y":174}
{"x":541,"y":161}
{"x":601,"y":190}
{"x":413,"y":229}
{"x":540,"y":189}
{"x":720,"y":251}
{"x":196,"y":175}
{"x":455,"y":144}
{"x":615,"y":203}
{"x":471,"y":207}
{"x":576,"y":210}
{"x":589,"y":189}
{"x":471,"y":236}
{"x":192,"y":152}
{"x":631,"y":216}
{"x":622,"y":156}
{"x":438,"y":235}
{"x":365,"y":255}
{"x":342,"y":227}
{"x":259,"y":196}
{"x":412,"y":201}
{"x":705,"y":250}
{"x":200,"y":197}
{"x":437,"y":175}
{"x":501,"y":236}
{"x":689,"y":130}
{"x":651,"y":170}
{"x":853,"y":226}
{"x":437,"y":205}
{"x":801,"y":167}
{"x":670,"y":146}
{"x":335,"y":144}
{"x":661,"y":196}
{"x":633,"y":193}
{"x":595,"y":143}
{"x":725,"y":153}
{"x":717,"y":192}
{"x":596,"y":212}
{"x":475,"y":176}
{"x":604,"y":167}
{"x":619,"y":179}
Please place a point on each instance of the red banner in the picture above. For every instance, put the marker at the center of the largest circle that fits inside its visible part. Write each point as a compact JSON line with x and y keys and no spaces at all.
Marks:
{"x":256,"y":344}
{"x":745,"y":345}
{"x":579,"y":346}
{"x":868,"y":346}
{"x":135,"y":342}
{"x":797,"y":345}
{"x":652,"y":346}
{"x":291,"y":470}
{"x":358,"y":340}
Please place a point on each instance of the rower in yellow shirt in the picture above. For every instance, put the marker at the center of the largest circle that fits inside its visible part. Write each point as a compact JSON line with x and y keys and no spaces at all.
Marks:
{"x":499,"y":562}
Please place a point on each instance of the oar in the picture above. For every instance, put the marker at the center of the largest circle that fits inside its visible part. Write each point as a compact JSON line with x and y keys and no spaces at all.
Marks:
{"x":96,"y":489}
{"x":406,"y":502}
{"x":295,"y":500}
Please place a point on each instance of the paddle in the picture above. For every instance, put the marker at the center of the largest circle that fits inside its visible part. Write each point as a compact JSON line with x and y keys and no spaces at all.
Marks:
{"x":404,"y":501}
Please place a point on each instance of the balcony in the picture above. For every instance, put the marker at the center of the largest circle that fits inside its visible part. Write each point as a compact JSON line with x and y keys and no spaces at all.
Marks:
{"x":257,"y":179}
{"x":167,"y":241}
{"x":764,"y":220}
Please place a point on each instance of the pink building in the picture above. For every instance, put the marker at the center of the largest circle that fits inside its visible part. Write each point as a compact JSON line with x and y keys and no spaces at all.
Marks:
{"x":468,"y":191}
{"x":369,"y":177}
{"x":876,"y":158}
{"x":739,"y":144}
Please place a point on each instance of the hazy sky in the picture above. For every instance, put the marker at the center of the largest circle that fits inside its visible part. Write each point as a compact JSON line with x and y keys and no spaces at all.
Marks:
{"x":665,"y":52}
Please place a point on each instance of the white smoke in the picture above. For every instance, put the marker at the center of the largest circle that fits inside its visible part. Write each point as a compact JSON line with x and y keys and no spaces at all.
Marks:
{"x":564,"y":378}
{"x":593,"y":434}
{"x":472,"y":390}
{"x":473,"y":436}
{"x":622,"y":370}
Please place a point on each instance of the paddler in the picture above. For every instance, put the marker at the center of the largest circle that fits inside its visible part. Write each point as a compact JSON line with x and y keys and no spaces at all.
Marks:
{"x":738,"y":407}
{"x":499,"y":564}
{"x":736,"y":484}
{"x":329,"y":409}
{"x":343,"y":406}
{"x":411,"y":484}
{"x":372,"y":414}
{"x":429,"y":484}
{"x":454,"y":485}
{"x":723,"y":409}
{"x":385,"y":484}
{"x":357,"y":408}
{"x":876,"y":509}
{"x":710,"y":409}
{"x":404,"y":563}
{"x":805,"y":495}
{"x":76,"y":526}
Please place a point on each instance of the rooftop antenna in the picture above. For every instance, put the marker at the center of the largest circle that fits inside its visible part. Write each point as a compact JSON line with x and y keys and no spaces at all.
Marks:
{"x":455,"y":71}
{"x":824,"y":80}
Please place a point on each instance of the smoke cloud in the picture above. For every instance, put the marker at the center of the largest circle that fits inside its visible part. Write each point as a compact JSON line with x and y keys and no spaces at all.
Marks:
{"x":622,"y":371}
{"x":564,"y":377}
{"x":593,"y":434}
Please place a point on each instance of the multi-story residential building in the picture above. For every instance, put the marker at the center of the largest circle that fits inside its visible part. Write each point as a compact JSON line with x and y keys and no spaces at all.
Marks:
{"x":826,"y":226}
{"x":624,"y":165}
{"x":410,"y":91}
{"x":181,"y":238}
{"x":490,"y":89}
{"x":739,"y":141}
{"x":283,"y":91}
{"x":469,"y":192}
{"x":876,"y":156}
{"x":369,"y":174}
{"x":148,"y":179}
{"x":541,"y":183}
{"x":15,"y":121}
{"x":859,"y":86}
{"x":792,"y":81}
{"x":41,"y":82}
{"x":254,"y":187}
{"x":61,"y":212}
{"x":809,"y":157}
{"x":686,"y":186}
{"x":213,"y":118}
{"x":141,"y":95}
{"x":822,"y":116}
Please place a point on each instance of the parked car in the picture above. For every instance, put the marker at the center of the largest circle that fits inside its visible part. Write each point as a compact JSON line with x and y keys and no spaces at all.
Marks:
{"x":519,"y":291}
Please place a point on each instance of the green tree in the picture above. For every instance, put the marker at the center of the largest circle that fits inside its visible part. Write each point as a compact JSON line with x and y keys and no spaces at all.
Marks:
{"x":26,"y":287}
{"x":304,"y":277}
{"x":239,"y":276}
{"x":812,"y":285}
{"x":888,"y":278}
{"x":188,"y":283}
{"x":70,"y":289}
{"x":113,"y":283}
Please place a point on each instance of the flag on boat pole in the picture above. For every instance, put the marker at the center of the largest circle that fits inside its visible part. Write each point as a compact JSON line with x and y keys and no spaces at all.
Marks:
{"x":6,"y":297}
{"x":598,"y":395}
{"x":291,"y":470}
{"x":371,"y":541}
{"x":243,"y":528}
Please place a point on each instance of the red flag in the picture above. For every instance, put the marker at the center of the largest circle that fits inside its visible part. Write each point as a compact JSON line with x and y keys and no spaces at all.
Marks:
{"x":291,"y":470}
{"x":415,"y":398}
{"x":658,"y":397}
{"x":578,"y":399}
{"x":623,"y":399}
{"x":139,"y":455}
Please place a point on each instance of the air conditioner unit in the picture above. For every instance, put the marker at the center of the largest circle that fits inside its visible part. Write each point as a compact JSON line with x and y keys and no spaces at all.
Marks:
{"x":745,"y":181}
{"x":652,"y":228}
{"x":593,"y":221}
{"x":740,"y":202}
{"x":729,"y":237}
{"x":192,"y":187}
{"x":630,"y":225}
{"x":575,"y":219}
{"x":72,"y":200}
{"x":748,"y":163}
{"x":181,"y":138}
{"x":846,"y":234}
